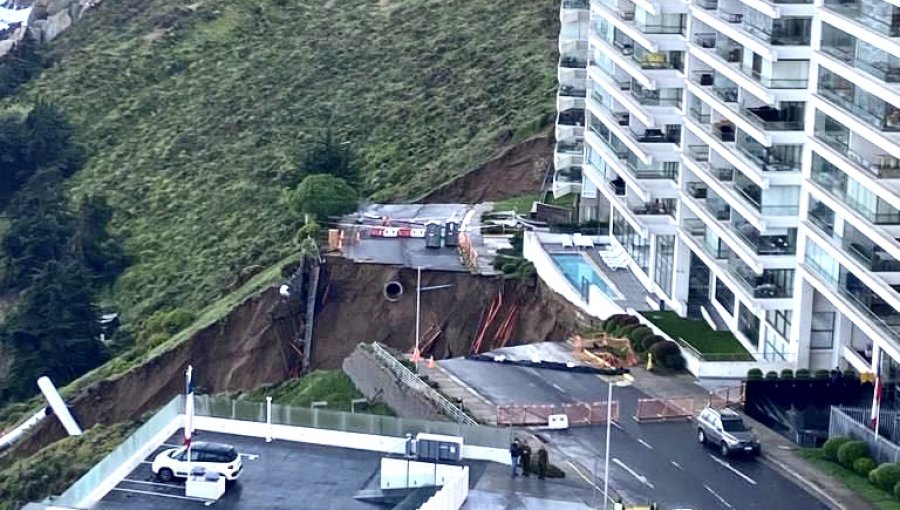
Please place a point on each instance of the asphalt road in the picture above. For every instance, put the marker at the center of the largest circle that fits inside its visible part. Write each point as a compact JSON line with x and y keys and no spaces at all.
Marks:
{"x":659,"y":462}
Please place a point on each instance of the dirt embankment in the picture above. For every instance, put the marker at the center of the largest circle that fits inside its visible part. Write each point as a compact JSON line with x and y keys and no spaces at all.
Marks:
{"x":517,"y":170}
{"x":246,"y":349}
{"x":356,"y":310}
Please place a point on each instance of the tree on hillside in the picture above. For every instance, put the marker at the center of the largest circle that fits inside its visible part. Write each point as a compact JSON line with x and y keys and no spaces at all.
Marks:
{"x":103,"y":255}
{"x":323,"y":195}
{"x":330,"y":156}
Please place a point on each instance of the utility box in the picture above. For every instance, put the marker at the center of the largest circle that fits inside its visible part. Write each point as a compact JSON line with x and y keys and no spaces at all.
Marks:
{"x":436,"y":448}
{"x":433,"y":235}
{"x":451,"y":234}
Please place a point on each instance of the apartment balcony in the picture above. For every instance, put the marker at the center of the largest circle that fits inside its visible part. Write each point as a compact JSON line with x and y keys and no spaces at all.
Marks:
{"x":760,"y":244}
{"x":572,"y":62}
{"x":566,"y":181}
{"x":874,"y":62}
{"x":574,"y":117}
{"x":883,"y":166}
{"x":877,"y":15}
{"x":581,"y":5}
{"x":773,"y":119}
{"x":837,"y":184}
{"x":709,"y":5}
{"x":782,"y":32}
{"x":572,"y":91}
{"x":659,"y":207}
{"x":866,"y":107}
{"x":568,"y":153}
{"x":770,"y":284}
{"x":776,"y":81}
{"x":657,"y":136}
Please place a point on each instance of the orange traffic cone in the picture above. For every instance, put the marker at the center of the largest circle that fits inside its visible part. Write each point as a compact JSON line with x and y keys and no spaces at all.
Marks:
{"x":415,"y":356}
{"x":431,"y":362}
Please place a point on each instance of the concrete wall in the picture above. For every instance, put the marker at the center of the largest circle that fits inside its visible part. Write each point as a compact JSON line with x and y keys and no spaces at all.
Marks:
{"x":378,"y":383}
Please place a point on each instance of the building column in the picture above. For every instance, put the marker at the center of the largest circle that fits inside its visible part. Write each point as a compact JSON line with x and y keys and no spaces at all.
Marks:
{"x":681,"y":267}
{"x":843,"y":329}
{"x":801,"y":322}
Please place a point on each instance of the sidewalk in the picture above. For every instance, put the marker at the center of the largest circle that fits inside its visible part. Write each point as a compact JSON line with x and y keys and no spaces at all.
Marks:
{"x":474,"y":404}
{"x":777,"y":450}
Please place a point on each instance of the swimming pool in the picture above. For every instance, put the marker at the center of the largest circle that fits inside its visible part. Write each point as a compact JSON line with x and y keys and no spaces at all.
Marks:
{"x":580,"y":272}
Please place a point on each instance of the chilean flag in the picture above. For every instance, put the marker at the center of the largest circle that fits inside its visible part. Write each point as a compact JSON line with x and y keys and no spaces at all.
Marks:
{"x":188,"y":405}
{"x":876,"y":396}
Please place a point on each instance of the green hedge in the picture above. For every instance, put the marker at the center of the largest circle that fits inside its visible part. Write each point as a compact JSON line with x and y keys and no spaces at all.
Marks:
{"x":754,"y":374}
{"x":832,"y":445}
{"x":850,"y":451}
{"x":886,"y":476}
{"x":863,"y":466}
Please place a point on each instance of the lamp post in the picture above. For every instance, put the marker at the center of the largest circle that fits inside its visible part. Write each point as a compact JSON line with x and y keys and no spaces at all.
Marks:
{"x":620,"y":383}
{"x":419,"y":289}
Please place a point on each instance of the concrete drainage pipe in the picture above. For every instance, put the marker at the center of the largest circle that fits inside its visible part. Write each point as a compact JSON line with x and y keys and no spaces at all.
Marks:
{"x":393,"y":290}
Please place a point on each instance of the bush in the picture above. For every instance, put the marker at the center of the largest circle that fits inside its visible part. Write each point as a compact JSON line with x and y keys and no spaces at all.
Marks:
{"x":771,"y":375}
{"x":897,"y":491}
{"x":323,"y":196}
{"x":801,"y":373}
{"x":787,"y":374}
{"x":625,"y":330}
{"x":886,"y":476}
{"x":637,"y":335}
{"x":850,"y":451}
{"x":831,"y":446}
{"x":822,"y":374}
{"x":754,"y":374}
{"x":668,"y":355}
{"x":863,"y":465}
{"x":648,"y":342}
{"x":851,"y":374}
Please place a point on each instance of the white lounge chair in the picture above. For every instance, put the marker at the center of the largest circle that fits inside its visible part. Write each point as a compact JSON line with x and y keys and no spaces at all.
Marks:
{"x":583,"y":241}
{"x":617,"y":264}
{"x":567,"y":242}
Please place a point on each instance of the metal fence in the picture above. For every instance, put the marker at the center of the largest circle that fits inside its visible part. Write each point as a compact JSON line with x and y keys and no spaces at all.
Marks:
{"x":853,"y":422}
{"x":659,"y":409}
{"x":229,"y":408}
{"x":539,"y":414}
{"x":727,"y":397}
{"x":412,"y":381}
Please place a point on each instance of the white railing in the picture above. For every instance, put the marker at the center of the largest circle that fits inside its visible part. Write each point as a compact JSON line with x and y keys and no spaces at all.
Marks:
{"x":412,"y":381}
{"x":850,"y":423}
{"x":452,"y":495}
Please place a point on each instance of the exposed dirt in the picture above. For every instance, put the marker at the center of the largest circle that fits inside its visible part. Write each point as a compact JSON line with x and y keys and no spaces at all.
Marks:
{"x":517,"y":170}
{"x":355,"y":310}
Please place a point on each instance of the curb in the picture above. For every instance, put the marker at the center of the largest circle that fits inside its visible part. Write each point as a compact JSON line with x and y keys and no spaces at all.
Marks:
{"x":808,"y":485}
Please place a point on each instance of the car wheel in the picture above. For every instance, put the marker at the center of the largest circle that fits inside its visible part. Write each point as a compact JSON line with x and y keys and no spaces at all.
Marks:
{"x":165,"y":475}
{"x":723,"y":449}
{"x":701,"y":437}
{"x":758,"y":451}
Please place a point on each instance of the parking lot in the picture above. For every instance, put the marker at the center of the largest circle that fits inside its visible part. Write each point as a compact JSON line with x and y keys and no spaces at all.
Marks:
{"x":279,"y":475}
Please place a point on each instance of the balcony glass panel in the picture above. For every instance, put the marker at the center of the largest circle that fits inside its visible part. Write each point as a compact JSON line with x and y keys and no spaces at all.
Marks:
{"x":729,"y":50}
{"x":718,"y":207}
{"x":659,"y":97}
{"x":572,"y":91}
{"x":659,"y":207}
{"x":850,"y":192}
{"x":771,"y":283}
{"x":709,"y":5}
{"x":788,"y":116}
{"x":867,"y":107}
{"x":659,"y":60}
{"x":821,"y":216}
{"x":725,"y":89}
{"x":611,"y":141}
{"x":705,"y":40}
{"x":866,"y":252}
{"x":878,"y":15}
{"x":860,"y":54}
{"x":785,"y":31}
{"x":773,"y":201}
{"x":665,"y":23}
{"x":698,"y":153}
{"x":658,"y":170}
{"x":576,"y":4}
{"x":785,"y":74}
{"x":572,"y":62}
{"x":671,"y":134}
{"x":575,"y":147}
{"x":777,"y":158}
{"x":573,"y":117}
{"x":765,"y":244}
{"x":837,"y":136}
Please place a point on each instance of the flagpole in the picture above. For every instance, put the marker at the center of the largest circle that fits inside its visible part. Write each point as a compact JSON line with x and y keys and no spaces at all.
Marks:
{"x":876,"y":395}
{"x":188,"y":413}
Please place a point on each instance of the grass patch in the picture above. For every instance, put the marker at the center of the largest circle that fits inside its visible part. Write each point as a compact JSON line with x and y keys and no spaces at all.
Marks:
{"x":332,"y":386}
{"x":877,"y":497}
{"x":194,"y":115}
{"x":697,"y":333}
{"x":521,"y":205}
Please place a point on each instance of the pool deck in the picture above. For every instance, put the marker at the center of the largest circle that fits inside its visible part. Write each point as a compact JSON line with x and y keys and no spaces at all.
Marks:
{"x":626,"y":283}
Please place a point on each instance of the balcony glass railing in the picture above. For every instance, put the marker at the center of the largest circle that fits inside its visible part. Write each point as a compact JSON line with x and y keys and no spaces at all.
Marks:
{"x":572,"y":91}
{"x":658,"y":136}
{"x":665,"y":207}
{"x":777,"y":158}
{"x":843,"y":188}
{"x":609,"y":140}
{"x":659,"y":97}
{"x":822,"y":217}
{"x":763,"y":244}
{"x":785,"y":31}
{"x":572,"y":62}
{"x":570,"y":147}
{"x":753,"y":195}
{"x":655,"y":171}
{"x":705,"y":40}
{"x":872,"y":61}
{"x":870,"y":255}
{"x":730,"y":53}
{"x":660,"y":29}
{"x":698,"y":153}
{"x":573,"y":117}
{"x":878,"y":15}
{"x":775,"y":82}
{"x":867,"y":107}
{"x":773,"y":119}
{"x":699,"y":115}
{"x":881,"y":165}
{"x":709,"y":5}
{"x":576,"y":4}
{"x":730,"y":17}
{"x":771,"y":284}
{"x":661,"y":60}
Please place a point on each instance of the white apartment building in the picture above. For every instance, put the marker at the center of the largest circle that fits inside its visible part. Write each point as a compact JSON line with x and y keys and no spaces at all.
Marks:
{"x":746,"y":154}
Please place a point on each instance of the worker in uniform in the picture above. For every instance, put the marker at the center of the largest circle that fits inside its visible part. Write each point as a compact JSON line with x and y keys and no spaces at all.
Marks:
{"x":526,"y":460}
{"x":514,"y":453}
{"x":542,"y":463}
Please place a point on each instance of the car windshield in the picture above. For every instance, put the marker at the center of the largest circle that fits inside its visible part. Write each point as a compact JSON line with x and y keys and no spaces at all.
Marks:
{"x":177,"y":453}
{"x":734,"y":425}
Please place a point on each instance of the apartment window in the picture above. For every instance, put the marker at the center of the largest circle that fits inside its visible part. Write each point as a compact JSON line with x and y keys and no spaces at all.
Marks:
{"x":780,"y":320}
{"x":665,"y":255}
{"x":724,"y":296}
{"x":774,"y":348}
{"x":748,"y":324}
{"x":821,"y":331}
{"x":635,"y":245}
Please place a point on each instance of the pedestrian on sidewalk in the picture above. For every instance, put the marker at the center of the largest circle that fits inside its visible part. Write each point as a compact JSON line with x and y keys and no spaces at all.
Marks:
{"x":526,"y":460}
{"x":542,"y":463}
{"x":514,"y":452}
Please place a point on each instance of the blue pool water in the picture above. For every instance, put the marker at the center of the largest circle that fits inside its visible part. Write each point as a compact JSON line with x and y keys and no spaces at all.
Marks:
{"x":581,"y":272}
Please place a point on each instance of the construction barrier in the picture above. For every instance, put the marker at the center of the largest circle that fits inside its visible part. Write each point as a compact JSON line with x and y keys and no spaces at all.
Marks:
{"x":727,"y":397}
{"x":586,"y":413}
{"x":661,"y":409}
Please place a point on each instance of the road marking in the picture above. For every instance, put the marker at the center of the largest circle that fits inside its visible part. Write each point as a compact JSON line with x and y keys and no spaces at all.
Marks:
{"x":720,"y":498}
{"x":250,"y":456}
{"x":616,"y":425}
{"x":732,"y":469}
{"x":582,"y":475}
{"x":171,"y":485}
{"x":557,"y":387}
{"x":677,"y":465}
{"x":160,"y":494}
{"x":641,"y":478}
{"x":645,"y":443}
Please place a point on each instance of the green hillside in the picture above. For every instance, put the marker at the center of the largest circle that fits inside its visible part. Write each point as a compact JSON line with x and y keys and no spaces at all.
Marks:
{"x":194,"y":114}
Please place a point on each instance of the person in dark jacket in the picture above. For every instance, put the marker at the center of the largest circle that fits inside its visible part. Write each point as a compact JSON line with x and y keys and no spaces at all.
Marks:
{"x":514,"y":453}
{"x":542,"y":463}
{"x":526,"y":459}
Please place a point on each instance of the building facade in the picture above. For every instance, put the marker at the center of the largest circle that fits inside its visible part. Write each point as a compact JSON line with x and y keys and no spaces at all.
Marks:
{"x":746,"y":154}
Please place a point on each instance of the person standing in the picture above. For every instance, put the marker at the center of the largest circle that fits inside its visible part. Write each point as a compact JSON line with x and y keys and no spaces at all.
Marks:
{"x":526,"y":460}
{"x":542,"y":463}
{"x":514,"y":452}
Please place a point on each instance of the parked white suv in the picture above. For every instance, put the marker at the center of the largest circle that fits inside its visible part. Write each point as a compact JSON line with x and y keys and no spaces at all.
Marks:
{"x":726,"y":430}
{"x":221,"y":458}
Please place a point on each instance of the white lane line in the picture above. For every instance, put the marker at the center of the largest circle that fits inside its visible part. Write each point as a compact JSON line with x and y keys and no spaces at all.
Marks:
{"x":558,"y":387}
{"x":582,"y":475}
{"x":160,"y":494}
{"x":641,"y":478}
{"x":677,"y":465}
{"x":720,"y":498}
{"x":170,"y":485}
{"x":616,"y":425}
{"x":250,"y":456}
{"x":733,"y":469}
{"x":146,"y":462}
{"x":645,"y":443}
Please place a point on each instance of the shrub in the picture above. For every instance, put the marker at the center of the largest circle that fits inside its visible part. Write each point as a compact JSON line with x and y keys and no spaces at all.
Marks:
{"x":625,"y":330}
{"x":822,"y":374}
{"x":863,"y":465}
{"x":668,"y":355}
{"x":787,"y":374}
{"x":851,"y":374}
{"x":771,"y":375}
{"x":831,"y":446}
{"x":801,"y":373}
{"x":629,"y":320}
{"x":886,"y":476}
{"x":638,"y":334}
{"x":648,"y":342}
{"x":850,"y":451}
{"x":897,"y":491}
{"x":754,"y":374}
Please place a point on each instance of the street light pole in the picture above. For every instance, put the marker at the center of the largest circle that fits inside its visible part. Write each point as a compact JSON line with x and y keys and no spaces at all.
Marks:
{"x":606,"y":460}
{"x":416,"y":353}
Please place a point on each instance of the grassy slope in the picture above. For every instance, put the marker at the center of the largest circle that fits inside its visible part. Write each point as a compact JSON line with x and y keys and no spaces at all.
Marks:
{"x":332,"y":386}
{"x":196,"y":111}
